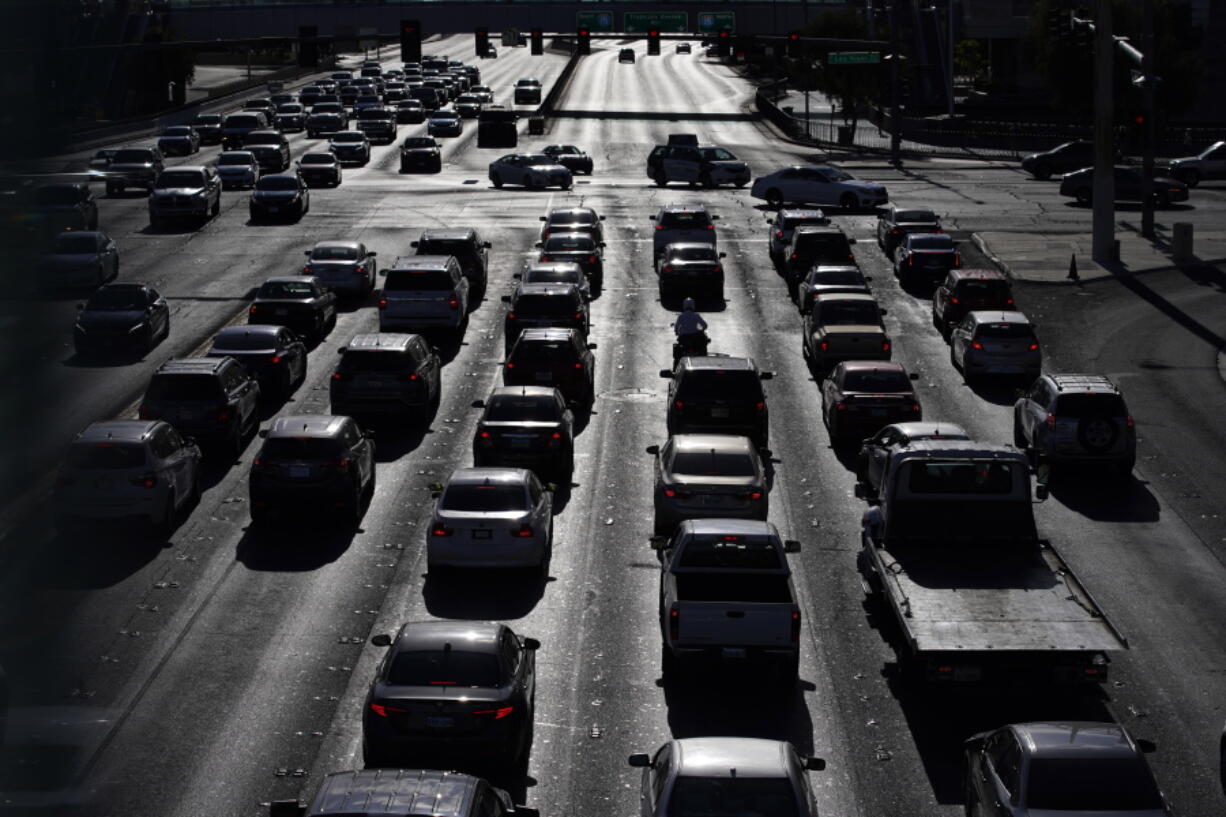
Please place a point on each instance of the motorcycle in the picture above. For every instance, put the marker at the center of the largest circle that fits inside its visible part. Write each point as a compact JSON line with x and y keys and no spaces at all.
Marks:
{"x":691,"y":345}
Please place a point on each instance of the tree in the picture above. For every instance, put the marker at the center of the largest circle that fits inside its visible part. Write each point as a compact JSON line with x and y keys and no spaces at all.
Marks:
{"x":971,"y":62}
{"x":849,"y":85}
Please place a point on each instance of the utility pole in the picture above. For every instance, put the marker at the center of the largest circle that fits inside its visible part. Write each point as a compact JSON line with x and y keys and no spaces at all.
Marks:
{"x":950,"y":57}
{"x":1147,"y":106}
{"x":1103,"y":242}
{"x":895,"y":113}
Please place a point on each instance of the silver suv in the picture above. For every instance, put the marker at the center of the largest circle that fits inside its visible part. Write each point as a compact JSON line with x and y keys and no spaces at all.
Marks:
{"x":422,"y":292}
{"x":1070,"y":418}
{"x":682,"y":223}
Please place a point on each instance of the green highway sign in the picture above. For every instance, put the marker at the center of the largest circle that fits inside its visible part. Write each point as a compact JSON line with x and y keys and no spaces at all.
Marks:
{"x":666,"y":22}
{"x":715,"y":21}
{"x":853,"y":57}
{"x":594,"y":20}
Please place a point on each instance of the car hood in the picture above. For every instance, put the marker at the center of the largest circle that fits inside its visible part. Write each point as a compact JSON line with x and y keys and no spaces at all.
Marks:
{"x":325,"y":115}
{"x":90,"y":319}
{"x":258,"y":149}
{"x":235,"y":170}
{"x":178,"y":191}
{"x":62,"y":260}
{"x":551,"y":168}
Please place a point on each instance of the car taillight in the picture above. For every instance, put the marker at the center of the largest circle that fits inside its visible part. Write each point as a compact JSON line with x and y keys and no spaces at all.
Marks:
{"x":339,"y":376}
{"x":895,"y":231}
{"x":545,"y":235}
{"x":795,"y":626}
{"x":915,"y":406}
{"x":145,"y":481}
{"x":578,"y":365}
{"x":454,"y":303}
{"x":511,"y":316}
{"x":759,"y":406}
{"x":523,"y":531}
{"x":1034,"y":347}
{"x":1129,"y":422}
{"x":578,"y":316}
{"x":274,"y":360}
{"x":910,"y":260}
{"x":674,"y":623}
{"x":957,"y":259}
{"x":977,"y":346}
{"x":1009,"y":302}
{"x":1051,"y":421}
{"x":659,"y":226}
{"x":359,"y":270}
{"x":383,"y":303}
{"x":306,"y":270}
{"x":254,"y":309}
{"x":754,"y":495}
{"x":544,"y":258}
{"x":499,"y":713}
{"x":778,"y":233}
{"x":885,"y":346}
{"x":409,"y":377}
{"x":224,"y":415}
{"x":382,"y":709}
{"x":439,"y":530}
{"x":591,"y":259}
{"x":710,"y":226}
{"x":824,"y":346}
{"x":953,"y":300}
{"x":793,"y":256}
{"x":840,"y":407}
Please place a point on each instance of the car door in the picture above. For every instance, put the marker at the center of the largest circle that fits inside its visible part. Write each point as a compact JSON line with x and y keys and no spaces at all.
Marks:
{"x":816,"y":188}
{"x":167,"y":447}
{"x":960,"y":337}
{"x":1214,"y":164}
{"x":159,"y":311}
{"x":542,"y":503}
{"x":655,"y":782}
{"x":427,"y":365}
{"x":1034,"y":408}
{"x":941,"y":297}
{"x":878,"y":451}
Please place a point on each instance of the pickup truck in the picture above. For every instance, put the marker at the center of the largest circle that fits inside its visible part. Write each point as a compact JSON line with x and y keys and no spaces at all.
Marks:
{"x":726,"y":595}
{"x":952,"y":551}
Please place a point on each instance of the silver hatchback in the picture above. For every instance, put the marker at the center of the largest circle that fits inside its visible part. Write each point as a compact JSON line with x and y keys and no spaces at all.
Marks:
{"x":996,"y":343}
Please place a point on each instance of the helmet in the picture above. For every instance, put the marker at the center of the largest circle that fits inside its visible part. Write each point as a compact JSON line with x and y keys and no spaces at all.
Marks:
{"x":687,"y":305}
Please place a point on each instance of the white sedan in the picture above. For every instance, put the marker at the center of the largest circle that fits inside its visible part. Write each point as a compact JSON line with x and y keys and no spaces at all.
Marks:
{"x":817,"y":184}
{"x":532,"y":170}
{"x":491,"y":517}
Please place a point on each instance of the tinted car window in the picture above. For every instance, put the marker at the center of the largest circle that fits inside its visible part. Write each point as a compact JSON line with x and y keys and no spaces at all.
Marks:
{"x":1090,"y":405}
{"x":544,"y":306}
{"x":119,"y":299}
{"x":444,"y":246}
{"x":493,"y":497}
{"x":234,"y":159}
{"x":444,"y":668}
{"x":731,"y":797}
{"x":277,"y":183}
{"x":105,"y":456}
{"x":915,"y":215}
{"x":961,"y":478}
{"x":932,"y":242}
{"x":712,"y":464}
{"x":317,"y":159}
{"x":434,"y":280}
{"x":508,"y":409}
{"x":887,"y":381}
{"x":132,"y":157}
{"x":285,"y":289}
{"x":334,"y":254}
{"x":243,"y":342}
{"x":73,"y":243}
{"x":300,"y":448}
{"x":983,"y":288}
{"x":420,"y":142}
{"x":1005,"y":331}
{"x":184,"y":387}
{"x":751,"y":553}
{"x":686,"y":221}
{"x":849,"y":313}
{"x":355,"y":361}
{"x":554,"y":352}
{"x":838,"y":277}
{"x":181,"y":178}
{"x":1089,"y":784}
{"x":717,"y":385}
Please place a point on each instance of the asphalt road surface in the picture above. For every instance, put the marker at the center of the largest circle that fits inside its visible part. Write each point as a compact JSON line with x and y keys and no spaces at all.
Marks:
{"x":225,"y":668}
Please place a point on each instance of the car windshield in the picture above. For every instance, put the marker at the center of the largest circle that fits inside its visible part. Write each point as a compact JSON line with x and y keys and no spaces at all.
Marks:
{"x":932,"y":242}
{"x":1005,"y":331}
{"x":183,"y":387}
{"x":793,"y":223}
{"x":277,"y":183}
{"x":732,"y":797}
{"x":75,"y":244}
{"x":56,"y":195}
{"x":429,"y":279}
{"x":105,"y":456}
{"x":244,"y":342}
{"x":848,"y":313}
{"x":333,"y":252}
{"x":301,"y":449}
{"x":684,"y":221}
{"x":545,"y":275}
{"x":420,"y":142}
{"x":177,"y":130}
{"x":572,"y":217}
{"x":720,"y":384}
{"x":285,"y":289}
{"x":235,"y":159}
{"x":317,"y":159}
{"x":132,"y":157}
{"x":1077,"y":406}
{"x":704,"y":253}
{"x":208,"y":119}
{"x":1091,"y":784}
{"x":117,"y":299}
{"x":715,"y":155}
{"x":445,"y":246}
{"x":712,"y":464}
{"x":365,"y":360}
{"x":424,"y":668}
{"x":349,"y":136}
{"x":961,"y":477}
{"x":517,"y":408}
{"x":916,"y":216}
{"x":881,"y":382}
{"x":493,"y":497}
{"x":836,"y":276}
{"x":181,"y":178}
{"x":569,"y":244}
{"x":544,"y":306}
{"x":749,"y":552}
{"x":537,"y":159}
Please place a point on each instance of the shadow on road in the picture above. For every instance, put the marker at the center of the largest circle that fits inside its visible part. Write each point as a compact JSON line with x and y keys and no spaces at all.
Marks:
{"x":482,"y":595}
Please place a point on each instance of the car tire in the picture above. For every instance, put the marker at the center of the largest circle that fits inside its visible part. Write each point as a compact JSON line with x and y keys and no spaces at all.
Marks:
{"x":1019,"y":436}
{"x":1083,"y":195}
{"x":1190,"y":177}
{"x":660,"y":178}
{"x":669,"y":665}
{"x":774,"y":198}
{"x":163,"y":526}
{"x":848,"y":201}
{"x":496,"y":179}
{"x":1042,"y":172}
{"x":707,"y":181}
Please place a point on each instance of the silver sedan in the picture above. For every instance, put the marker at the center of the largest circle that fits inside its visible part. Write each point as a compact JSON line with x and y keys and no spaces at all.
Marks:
{"x":703,"y":476}
{"x":532,"y":170}
{"x":491,"y":517}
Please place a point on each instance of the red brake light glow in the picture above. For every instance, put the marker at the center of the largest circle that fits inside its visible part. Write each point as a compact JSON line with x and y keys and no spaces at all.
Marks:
{"x":499,"y":713}
{"x":382,"y":709}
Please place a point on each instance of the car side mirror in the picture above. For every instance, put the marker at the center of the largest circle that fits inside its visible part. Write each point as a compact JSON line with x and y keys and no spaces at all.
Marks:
{"x":667,"y":374}
{"x":791,"y":546}
{"x":868,"y":278}
{"x":412,"y":243}
{"x":531,"y":644}
{"x":544,"y":219}
{"x":659,"y":542}
{"x":815,"y":764}
{"x":518,"y":276}
{"x":381,"y":640}
{"x":373,"y":254}
{"x":342,"y":350}
{"x":538,"y":244}
{"x":851,"y":241}
{"x":715,"y":218}
{"x":651,"y":218}
{"x":723,"y":255}
{"x":478,"y":404}
{"x":382,"y":273}
{"x":770,"y":220}
{"x":506,"y":299}
{"x":766,"y":375}
{"x":913,"y":376}
{"x":306,"y":253}
{"x":486,"y":245}
{"x":639,"y":761}
{"x":602,"y":218}
{"x":654,"y":450}
{"x":591,"y":346}
{"x":858,"y":490}
{"x":1147,"y":747}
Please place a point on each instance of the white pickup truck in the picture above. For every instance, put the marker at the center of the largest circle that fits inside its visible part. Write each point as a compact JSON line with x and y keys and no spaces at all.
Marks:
{"x":726,"y":595}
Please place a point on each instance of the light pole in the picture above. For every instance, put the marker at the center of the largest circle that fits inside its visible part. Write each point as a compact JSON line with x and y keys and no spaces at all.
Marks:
{"x":950,"y":56}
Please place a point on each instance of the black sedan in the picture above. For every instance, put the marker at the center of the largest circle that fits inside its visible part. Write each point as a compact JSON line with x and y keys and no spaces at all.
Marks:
{"x":571,"y":157}
{"x":1128,"y":181}
{"x":280,"y":196}
{"x":420,"y":153}
{"x":526,"y":427}
{"x":273,"y":355}
{"x":320,"y":170}
{"x":1060,"y":159}
{"x":121,"y":317}
{"x":861,"y":396}
{"x":453,"y":690}
{"x":926,"y":256}
{"x":410,"y":112}
{"x":299,"y":302}
{"x":576,"y":248}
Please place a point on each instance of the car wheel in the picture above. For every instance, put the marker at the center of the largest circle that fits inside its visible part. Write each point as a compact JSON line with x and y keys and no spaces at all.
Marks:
{"x":1162,"y":200}
{"x":660,"y":178}
{"x":163,"y":526}
{"x":707,"y":181}
{"x":1083,"y":195}
{"x":669,"y":667}
{"x":774,"y":197}
{"x":496,"y":179}
{"x":848,"y":201}
{"x":1019,"y":436}
{"x":1190,"y":177}
{"x":1042,"y":172}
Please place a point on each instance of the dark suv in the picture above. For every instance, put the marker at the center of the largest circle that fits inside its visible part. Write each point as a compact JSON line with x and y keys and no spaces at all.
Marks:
{"x":313,"y":461}
{"x":213,"y":399}
{"x":386,"y":372}
{"x":535,"y":305}
{"x":525,"y":427}
{"x":812,"y":246}
{"x":966,"y":290}
{"x":554,"y":357}
{"x":718,"y":395}
{"x":65,"y":206}
{"x":466,"y":246}
{"x":1076,"y":418}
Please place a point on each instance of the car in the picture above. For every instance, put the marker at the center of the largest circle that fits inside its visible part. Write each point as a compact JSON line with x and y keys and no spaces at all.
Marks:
{"x":350,"y":147}
{"x":236,"y":126}
{"x":208,"y":128}
{"x":451,"y":690}
{"x":342,"y":266}
{"x":378,"y":122}
{"x":185,"y":192}
{"x":309,"y":95}
{"x":178,"y":140}
{"x":895,"y":221}
{"x":550,"y":272}
{"x":468,"y":106}
{"x":133,"y":167}
{"x":1210,"y":163}
{"x":420,"y":153}
{"x":1063,"y":158}
{"x":572,"y":220}
{"x":996,"y":343}
{"x":625,"y":55}
{"x":1079,"y":185}
{"x":264,"y":104}
{"x":274,"y":355}
{"x":683,"y":48}
{"x":827,"y":279}
{"x":320,"y":169}
{"x":690,"y":268}
{"x":290,"y":117}
{"x":966,"y":290}
{"x":484,"y":92}
{"x":844,"y":326}
{"x":527,"y":91}
{"x":326,"y":118}
{"x":554,"y":357}
{"x":271,"y":149}
{"x":536,"y":171}
{"x":536,"y":305}
{"x":424,"y":292}
{"x":861,"y":396}
{"x":284,"y":195}
{"x":212,"y":398}
{"x":525,"y":427}
{"x":449,"y":794}
{"x":716,"y":394}
{"x":875,"y":451}
{"x":818,"y":184}
{"x":465,"y":245}
{"x":812,"y":246}
{"x":312,"y":462}
{"x":490,"y":517}
{"x":682,"y":223}
{"x":120,"y":469}
{"x":238,"y":169}
{"x":1064,"y":767}
{"x":101,"y":159}
{"x":575,"y":248}
{"x":79,"y":258}
{"x":925,"y":258}
{"x":121,"y":317}
{"x":706,"y":165}
{"x":733,"y":775}
{"x":63,"y":206}
{"x":1070,"y":419}
{"x":300,"y":302}
{"x":366,"y":101}
{"x":707,"y":476}
{"x":571,"y":157}
{"x":430,"y":98}
{"x":410,"y":112}
{"x":387,"y":373}
{"x":784,"y":223}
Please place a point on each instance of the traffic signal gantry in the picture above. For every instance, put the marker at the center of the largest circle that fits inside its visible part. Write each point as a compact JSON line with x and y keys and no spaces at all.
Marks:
{"x":410,"y":40}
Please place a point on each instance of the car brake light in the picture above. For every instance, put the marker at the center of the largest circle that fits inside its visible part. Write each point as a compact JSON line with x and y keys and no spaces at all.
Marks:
{"x":670,"y":493}
{"x":659,"y":226}
{"x":409,"y":377}
{"x":825,"y":347}
{"x":591,"y":259}
{"x":382,"y":709}
{"x":383,"y":303}
{"x":796,"y":626}
{"x":953,"y":300}
{"x":957,"y":259}
{"x":145,"y":481}
{"x":778,"y":233}
{"x":545,"y":234}
{"x":1034,"y":347}
{"x":674,"y":623}
{"x":710,"y":226}
{"x":306,"y":270}
{"x":557,"y":435}
{"x":544,"y":257}
{"x":524,"y":531}
{"x":254,"y":309}
{"x":915,"y":406}
{"x":274,"y":360}
{"x":454,"y":303}
{"x":1009,"y":302}
{"x":840,"y":406}
{"x":910,"y":260}
{"x":885,"y":346}
{"x":1051,"y":421}
{"x":339,"y":376}
{"x":1129,"y":422}
{"x":485,"y":435}
{"x":759,"y":406}
{"x":510,"y":365}
{"x":439,"y":530}
{"x":578,"y":316}
{"x":793,"y":256}
{"x":679,"y":405}
{"x":499,"y":713}
{"x":578,"y":365}
{"x":359,"y":270}
{"x":755,"y":495}
{"x":666,"y":269}
{"x":977,"y":346}
{"x":223,"y":416}
{"x":895,"y":231}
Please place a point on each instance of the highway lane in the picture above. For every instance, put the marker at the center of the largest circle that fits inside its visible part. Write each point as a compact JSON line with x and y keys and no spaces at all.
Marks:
{"x":247,"y":671}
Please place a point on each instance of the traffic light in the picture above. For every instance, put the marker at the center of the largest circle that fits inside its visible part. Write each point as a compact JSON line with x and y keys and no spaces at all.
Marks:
{"x":583,"y":42}
{"x":741,"y":45}
{"x":308,"y":48}
{"x":794,"y":46}
{"x":410,"y":41}
{"x":722,"y":43}
{"x":482,"y":36}
{"x":653,"y":42}
{"x":537,"y":38}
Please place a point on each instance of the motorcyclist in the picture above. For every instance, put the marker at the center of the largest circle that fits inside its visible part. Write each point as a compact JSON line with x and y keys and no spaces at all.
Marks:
{"x":689,"y":323}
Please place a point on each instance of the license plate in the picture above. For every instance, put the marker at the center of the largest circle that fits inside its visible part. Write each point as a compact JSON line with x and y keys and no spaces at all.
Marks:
{"x":520,"y":442}
{"x":281,"y":310}
{"x":712,"y":500}
{"x":300,"y":471}
{"x":734,"y":653}
{"x":273,"y":209}
{"x":877,"y":413}
{"x":543,"y":377}
{"x":719,"y":412}
{"x":481,"y":534}
{"x":439,"y":721}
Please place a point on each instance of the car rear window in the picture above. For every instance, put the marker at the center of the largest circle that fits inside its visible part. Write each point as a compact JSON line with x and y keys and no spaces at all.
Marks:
{"x":373,"y":113}
{"x":316,"y":159}
{"x":849,"y":313}
{"x":749,"y":552}
{"x":974,"y":288}
{"x":841,"y":276}
{"x":117,"y":299}
{"x":105,"y":456}
{"x":184,"y":387}
{"x":552,"y":276}
{"x":138,"y":156}
{"x":420,"y":142}
{"x":208,"y":119}
{"x":961,"y":477}
{"x":684,"y":221}
{"x":1005,"y":331}
{"x":719,"y":384}
{"x":1091,"y":784}
{"x":544,"y":306}
{"x":236,"y":159}
{"x":245,"y":342}
{"x":809,"y":243}
{"x":263,"y":139}
{"x":356,"y":360}
{"x":732,"y":797}
{"x":75,"y":244}
{"x":880,"y":382}
{"x":712,"y":464}
{"x":243,"y":120}
{"x":569,"y":244}
{"x":537,"y":352}
{"x":285,"y":289}
{"x":277,"y":183}
{"x":572,"y":218}
{"x":177,"y":130}
{"x":300,"y":449}
{"x":432,"y":280}
{"x":703,"y":253}
{"x":460,"y":668}
{"x":932,"y":242}
{"x":923,"y":216}
{"x":334,"y":254}
{"x":445,"y":246}
{"x":1090,"y":405}
{"x":793,"y":223}
{"x":494,"y":497}
{"x":508,"y":409}
{"x":716,"y":155}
